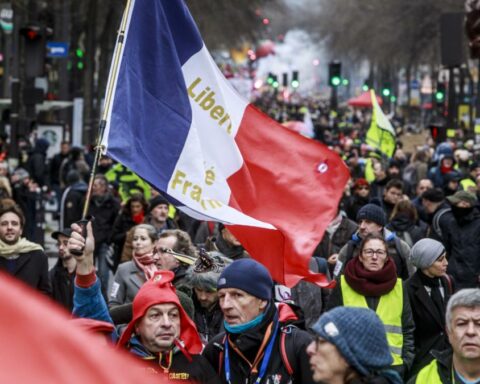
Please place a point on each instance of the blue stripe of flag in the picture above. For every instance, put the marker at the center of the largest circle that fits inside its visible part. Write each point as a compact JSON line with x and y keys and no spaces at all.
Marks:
{"x":151,"y":114}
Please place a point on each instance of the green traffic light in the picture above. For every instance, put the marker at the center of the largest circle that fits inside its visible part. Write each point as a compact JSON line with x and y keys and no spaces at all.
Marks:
{"x":393,"y":99}
{"x":365,"y":88}
{"x":270,"y":81}
{"x":439,"y":96}
{"x":79,"y":53}
{"x":80,"y":65}
{"x":335,"y":81}
{"x":345,"y":82}
{"x":275,"y":84}
{"x":295,"y":83}
{"x":386,"y":92}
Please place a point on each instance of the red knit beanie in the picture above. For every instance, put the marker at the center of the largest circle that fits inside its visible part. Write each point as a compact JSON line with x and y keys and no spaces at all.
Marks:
{"x":160,"y":290}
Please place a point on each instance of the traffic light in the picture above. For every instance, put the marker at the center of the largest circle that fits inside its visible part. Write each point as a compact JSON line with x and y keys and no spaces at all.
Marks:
{"x":285,"y":79}
{"x":275,"y":82}
{"x":270,"y":78}
{"x":79,"y":57}
{"x":438,"y":132}
{"x":295,"y":82}
{"x":386,"y":90}
{"x":440,"y":94}
{"x":334,"y":73}
{"x":34,"y":48}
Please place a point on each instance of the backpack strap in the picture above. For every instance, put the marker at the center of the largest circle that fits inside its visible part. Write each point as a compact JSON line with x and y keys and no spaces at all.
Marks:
{"x":436,"y":221}
{"x":220,"y":355}
{"x":286,"y":348}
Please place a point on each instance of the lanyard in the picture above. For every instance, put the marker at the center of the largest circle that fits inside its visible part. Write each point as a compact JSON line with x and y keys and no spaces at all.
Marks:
{"x":265,"y":360}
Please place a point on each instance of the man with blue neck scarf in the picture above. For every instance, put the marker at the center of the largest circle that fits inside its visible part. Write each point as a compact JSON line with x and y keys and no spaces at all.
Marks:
{"x":260,"y":343}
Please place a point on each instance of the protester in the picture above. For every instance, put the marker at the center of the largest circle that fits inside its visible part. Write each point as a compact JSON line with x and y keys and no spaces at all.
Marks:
{"x":360,"y":197}
{"x":71,"y":205}
{"x":131,"y":275}
{"x":405,"y":223}
{"x":351,"y":347}
{"x":392,"y":194}
{"x":203,"y":277}
{"x":258,"y":343}
{"x":370,"y":281}
{"x":429,"y":290}
{"x":62,"y":275}
{"x":158,"y":214}
{"x":372,"y":220}
{"x":461,"y":364}
{"x":228,"y":244}
{"x":160,"y":332}
{"x":18,"y":256}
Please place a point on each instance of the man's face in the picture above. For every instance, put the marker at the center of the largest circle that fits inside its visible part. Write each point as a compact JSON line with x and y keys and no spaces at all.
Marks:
{"x":207,"y":299}
{"x":393,"y":195}
{"x":464,"y":333}
{"x":159,"y":327}
{"x":229,"y":238}
{"x":65,"y":147}
{"x":99,"y":188}
{"x":463,"y":204}
{"x":475,"y":172}
{"x":423,"y":185}
{"x":10,"y":228}
{"x":160,"y":213}
{"x":238,"y":306}
{"x":429,"y":206}
{"x":378,"y":171}
{"x":62,"y":244}
{"x":166,"y":261}
{"x":367,"y":227}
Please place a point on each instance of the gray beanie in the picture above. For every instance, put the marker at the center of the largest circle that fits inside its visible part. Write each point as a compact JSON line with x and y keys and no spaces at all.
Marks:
{"x":424,"y":253}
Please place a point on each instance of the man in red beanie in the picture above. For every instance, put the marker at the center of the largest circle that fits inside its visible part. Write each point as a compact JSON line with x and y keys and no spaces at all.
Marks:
{"x":160,"y":331}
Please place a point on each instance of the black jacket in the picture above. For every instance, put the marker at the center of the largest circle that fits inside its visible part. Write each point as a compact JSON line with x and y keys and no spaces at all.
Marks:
{"x":429,"y":325}
{"x":209,"y":323}
{"x":463,"y":250}
{"x":249,"y":342}
{"x":408,"y":325}
{"x":62,"y":285}
{"x":31,"y":268}
{"x":105,"y":211}
{"x":330,"y":245}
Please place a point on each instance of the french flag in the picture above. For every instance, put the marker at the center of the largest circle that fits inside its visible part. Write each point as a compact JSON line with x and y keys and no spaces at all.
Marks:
{"x":175,"y":120}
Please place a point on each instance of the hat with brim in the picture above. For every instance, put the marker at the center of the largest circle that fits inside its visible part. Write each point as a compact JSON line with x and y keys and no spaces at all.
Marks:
{"x":463,"y":196}
{"x":67,"y":232}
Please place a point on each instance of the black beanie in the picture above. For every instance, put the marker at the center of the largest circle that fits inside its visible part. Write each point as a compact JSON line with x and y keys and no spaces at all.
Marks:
{"x":373,"y":213}
{"x":249,"y":276}
{"x":157,"y":200}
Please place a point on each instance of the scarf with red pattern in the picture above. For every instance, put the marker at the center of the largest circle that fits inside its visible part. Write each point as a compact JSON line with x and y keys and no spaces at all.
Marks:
{"x":146,"y":263}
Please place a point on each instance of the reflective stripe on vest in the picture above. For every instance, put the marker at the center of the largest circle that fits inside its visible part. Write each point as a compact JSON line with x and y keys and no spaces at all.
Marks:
{"x":389,"y":310}
{"x":429,"y":374}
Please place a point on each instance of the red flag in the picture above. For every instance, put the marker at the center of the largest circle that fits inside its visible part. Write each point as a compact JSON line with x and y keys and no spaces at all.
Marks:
{"x":291,"y":182}
{"x":41,"y":345}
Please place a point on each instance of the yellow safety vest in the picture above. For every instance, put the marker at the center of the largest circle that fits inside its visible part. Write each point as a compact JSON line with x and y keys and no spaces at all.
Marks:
{"x":467,"y":183}
{"x":429,"y":374}
{"x":389,"y":310}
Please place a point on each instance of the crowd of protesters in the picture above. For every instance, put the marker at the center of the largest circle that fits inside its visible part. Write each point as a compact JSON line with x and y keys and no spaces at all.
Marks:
{"x":185,"y":296}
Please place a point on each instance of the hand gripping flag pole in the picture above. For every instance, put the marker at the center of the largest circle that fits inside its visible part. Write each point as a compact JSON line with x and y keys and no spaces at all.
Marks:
{"x":103,"y":122}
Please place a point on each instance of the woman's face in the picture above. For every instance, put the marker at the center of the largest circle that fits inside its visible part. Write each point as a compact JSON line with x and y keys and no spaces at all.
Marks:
{"x":438,"y":268}
{"x":373,"y":255}
{"x":136,"y":207}
{"x":326,"y":363}
{"x":142,"y":243}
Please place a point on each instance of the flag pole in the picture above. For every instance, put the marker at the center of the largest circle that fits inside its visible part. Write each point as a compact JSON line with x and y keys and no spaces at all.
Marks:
{"x":106,"y":110}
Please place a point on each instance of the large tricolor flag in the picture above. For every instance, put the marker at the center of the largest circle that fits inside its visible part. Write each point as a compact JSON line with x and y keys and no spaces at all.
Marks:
{"x":175,"y":121}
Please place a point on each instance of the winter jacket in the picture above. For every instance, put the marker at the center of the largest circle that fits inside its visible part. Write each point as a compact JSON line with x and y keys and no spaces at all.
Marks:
{"x":127,"y":281}
{"x":37,"y":162}
{"x":31,"y":268}
{"x":398,"y":250}
{"x":248,"y":342}
{"x":62,"y":285}
{"x":89,"y":303}
{"x":429,"y":325}
{"x":330,"y":245}
{"x":463,"y":250}
{"x":209,"y":323}
{"x":105,"y":210}
{"x":71,"y":206}
{"x":408,"y":325}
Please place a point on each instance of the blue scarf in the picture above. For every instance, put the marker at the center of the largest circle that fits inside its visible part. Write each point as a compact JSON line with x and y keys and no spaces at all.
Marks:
{"x":239,"y":328}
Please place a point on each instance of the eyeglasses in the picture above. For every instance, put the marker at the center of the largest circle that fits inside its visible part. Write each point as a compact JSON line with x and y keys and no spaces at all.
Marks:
{"x":371,"y":252}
